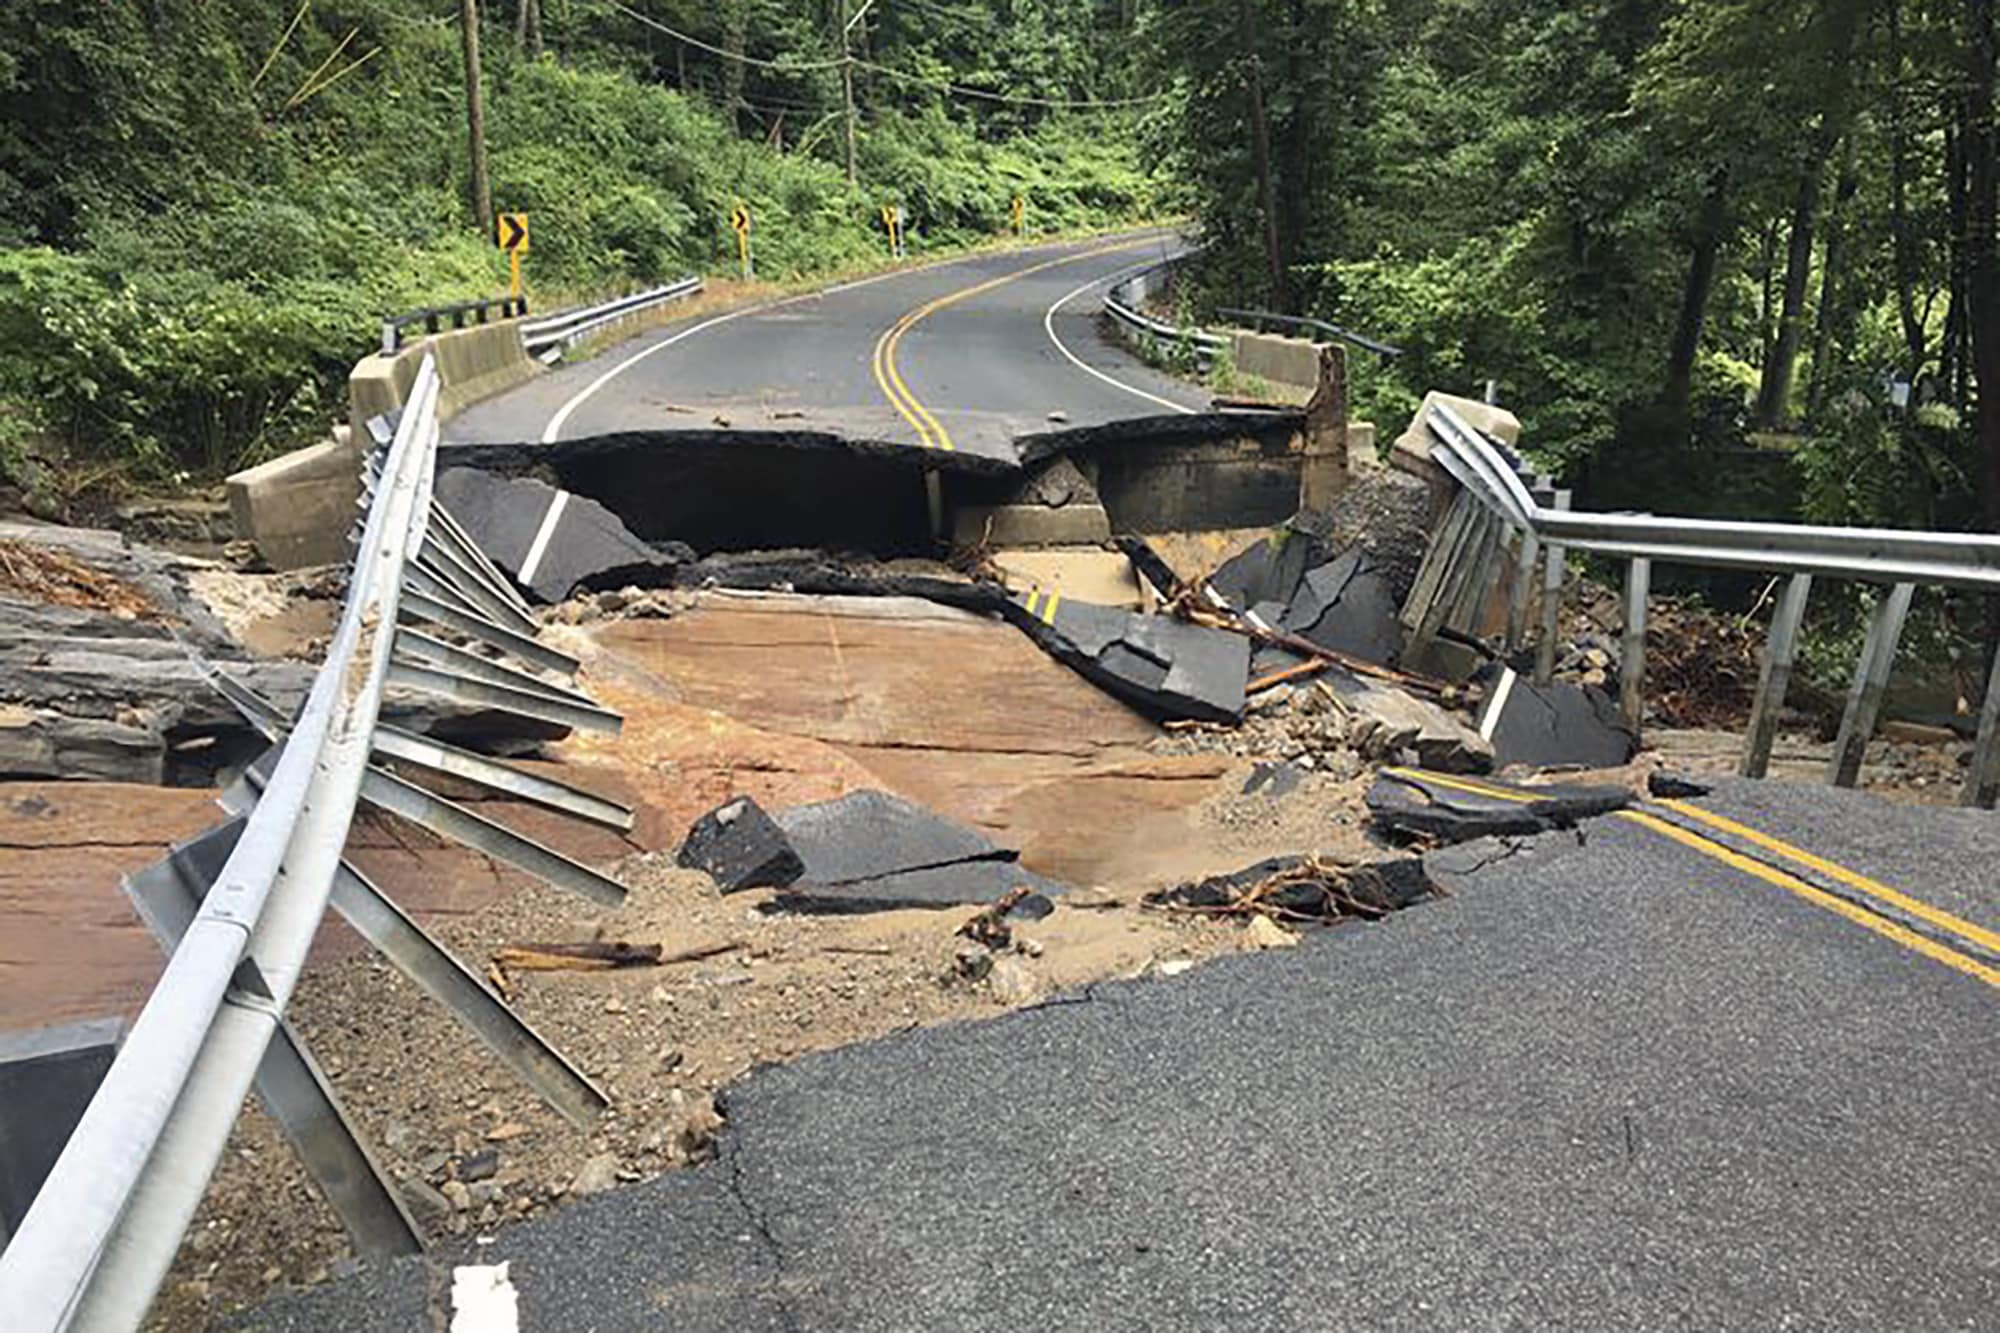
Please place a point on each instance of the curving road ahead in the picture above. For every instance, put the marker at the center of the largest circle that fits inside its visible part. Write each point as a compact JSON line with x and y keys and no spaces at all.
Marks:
{"x":965,"y":355}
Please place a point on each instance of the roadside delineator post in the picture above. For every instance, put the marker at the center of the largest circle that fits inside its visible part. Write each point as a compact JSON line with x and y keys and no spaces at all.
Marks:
{"x":740,"y":222}
{"x":510,"y":232}
{"x":1020,"y":212}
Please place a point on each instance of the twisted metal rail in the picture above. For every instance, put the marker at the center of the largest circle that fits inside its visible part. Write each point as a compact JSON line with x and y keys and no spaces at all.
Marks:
{"x":1495,"y":502}
{"x":238,"y":907}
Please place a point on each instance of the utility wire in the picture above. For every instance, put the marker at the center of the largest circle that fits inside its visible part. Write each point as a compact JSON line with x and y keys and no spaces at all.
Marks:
{"x":788,"y":67}
{"x":942,"y":85}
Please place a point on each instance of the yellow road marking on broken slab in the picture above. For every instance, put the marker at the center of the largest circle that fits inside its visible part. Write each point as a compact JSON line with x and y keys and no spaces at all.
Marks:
{"x":1853,"y":879}
{"x":1860,"y":916}
{"x":1049,"y":610}
{"x":1463,"y":784}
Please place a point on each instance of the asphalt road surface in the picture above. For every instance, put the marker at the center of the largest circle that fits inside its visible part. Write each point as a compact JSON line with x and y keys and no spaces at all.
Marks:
{"x":966,"y":355}
{"x":1615,"y":1079}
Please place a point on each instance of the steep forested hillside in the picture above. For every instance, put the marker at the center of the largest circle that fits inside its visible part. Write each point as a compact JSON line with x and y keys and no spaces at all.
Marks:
{"x":1717,"y":253}
{"x":206,"y":205}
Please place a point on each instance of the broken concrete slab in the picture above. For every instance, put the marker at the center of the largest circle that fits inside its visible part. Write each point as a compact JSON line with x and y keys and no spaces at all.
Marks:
{"x":554,"y":542}
{"x":1304,"y":888}
{"x":870,"y":851}
{"x":740,"y":847}
{"x":1088,"y":573}
{"x":1410,"y":803}
{"x":1386,"y":721}
{"x":1163,"y":667}
{"x":1554,"y":725}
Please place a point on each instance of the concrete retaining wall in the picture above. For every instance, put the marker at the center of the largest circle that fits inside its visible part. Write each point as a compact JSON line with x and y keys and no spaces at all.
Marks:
{"x":297,"y":509}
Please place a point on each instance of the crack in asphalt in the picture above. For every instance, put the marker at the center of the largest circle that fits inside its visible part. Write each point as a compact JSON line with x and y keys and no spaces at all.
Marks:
{"x":733,"y":1151}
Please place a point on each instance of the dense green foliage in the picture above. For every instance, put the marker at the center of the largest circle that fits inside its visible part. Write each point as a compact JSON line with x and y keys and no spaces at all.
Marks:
{"x":1694,"y":241}
{"x":194,"y":247}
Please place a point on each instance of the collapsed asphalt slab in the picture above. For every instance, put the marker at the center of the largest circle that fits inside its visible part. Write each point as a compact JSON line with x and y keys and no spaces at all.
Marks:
{"x":870,"y":851}
{"x":1554,"y":725}
{"x":554,"y":542}
{"x":1435,"y":807}
{"x":1163,"y":667}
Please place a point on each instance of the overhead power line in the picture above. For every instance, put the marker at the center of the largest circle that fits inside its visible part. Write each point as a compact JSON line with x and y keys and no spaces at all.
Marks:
{"x":942,"y":85}
{"x":785,"y":67}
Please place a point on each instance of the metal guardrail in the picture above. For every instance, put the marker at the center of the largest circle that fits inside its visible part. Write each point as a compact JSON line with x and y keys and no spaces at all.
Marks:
{"x":1495,"y":503}
{"x":1122,"y":301}
{"x":547,"y":338}
{"x":237,"y":909}
{"x":1259,"y":318}
{"x":434,"y":319}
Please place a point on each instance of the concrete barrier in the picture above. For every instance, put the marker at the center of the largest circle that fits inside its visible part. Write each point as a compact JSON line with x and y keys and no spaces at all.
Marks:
{"x":297,"y":509}
{"x":1287,"y":363}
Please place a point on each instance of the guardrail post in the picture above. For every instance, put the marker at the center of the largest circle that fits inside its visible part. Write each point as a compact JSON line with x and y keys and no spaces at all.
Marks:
{"x":1774,"y":676}
{"x":1554,"y":558}
{"x":1632,"y":659}
{"x":1526,"y":555}
{"x":1871,"y":675}
{"x":1982,"y":780}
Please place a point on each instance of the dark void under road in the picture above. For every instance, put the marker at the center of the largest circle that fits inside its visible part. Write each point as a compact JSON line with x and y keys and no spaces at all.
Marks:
{"x":966,"y":355}
{"x":1608,"y":1082}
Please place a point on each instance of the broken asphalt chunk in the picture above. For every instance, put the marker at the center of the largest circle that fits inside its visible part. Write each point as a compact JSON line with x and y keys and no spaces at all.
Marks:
{"x":869,"y":851}
{"x":740,"y":847}
{"x":553,"y":542}
{"x":1163,"y":667}
{"x":1547,"y":726}
{"x":1410,"y":803}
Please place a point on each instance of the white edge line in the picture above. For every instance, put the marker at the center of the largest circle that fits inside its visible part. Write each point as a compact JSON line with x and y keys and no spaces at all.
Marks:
{"x":1049,"y":327}
{"x":562,"y":416}
{"x":540,"y":546}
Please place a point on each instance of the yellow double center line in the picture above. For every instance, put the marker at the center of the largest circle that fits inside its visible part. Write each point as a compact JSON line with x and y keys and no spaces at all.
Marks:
{"x":930,"y":431}
{"x":1949,"y":926}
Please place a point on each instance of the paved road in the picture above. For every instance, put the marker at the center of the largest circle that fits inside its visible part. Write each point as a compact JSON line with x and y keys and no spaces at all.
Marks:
{"x":1613,"y":1080}
{"x":964,"y":355}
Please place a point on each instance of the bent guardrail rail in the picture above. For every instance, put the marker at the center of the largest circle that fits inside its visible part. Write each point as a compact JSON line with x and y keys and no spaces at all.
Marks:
{"x":1495,"y":503}
{"x":237,"y":909}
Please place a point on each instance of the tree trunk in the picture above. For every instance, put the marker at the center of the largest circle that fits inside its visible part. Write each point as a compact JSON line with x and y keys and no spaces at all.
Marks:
{"x":475,"y":115}
{"x":1774,"y":390}
{"x":1829,"y":329}
{"x":1260,"y":153}
{"x":847,"y":90}
{"x":1294,"y":183}
{"x":533,"y":10}
{"x":1982,"y":267}
{"x":1954,"y":358}
{"x":1903,"y":237}
{"x":1702,"y":258}
{"x":738,"y":17}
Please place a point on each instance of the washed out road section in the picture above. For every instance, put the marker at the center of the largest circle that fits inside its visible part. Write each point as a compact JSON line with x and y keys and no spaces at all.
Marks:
{"x":980,"y":360}
{"x":1605,"y":1079}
